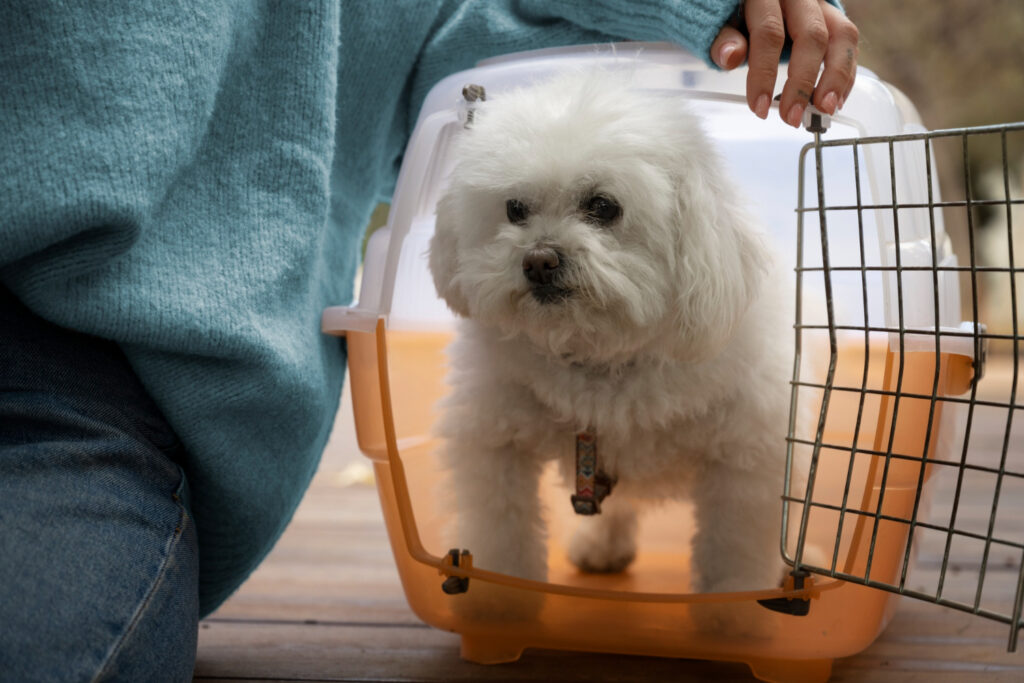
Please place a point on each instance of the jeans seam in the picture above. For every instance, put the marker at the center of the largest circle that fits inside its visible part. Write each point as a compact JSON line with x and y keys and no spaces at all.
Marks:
{"x":170,"y":547}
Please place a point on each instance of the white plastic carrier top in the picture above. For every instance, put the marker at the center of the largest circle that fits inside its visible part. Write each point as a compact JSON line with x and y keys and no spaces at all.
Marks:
{"x":763,"y":158}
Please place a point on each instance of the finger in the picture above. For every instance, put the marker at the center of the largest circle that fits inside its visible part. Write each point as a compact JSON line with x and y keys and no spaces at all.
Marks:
{"x":729,"y":49}
{"x":806,"y":25}
{"x":767,"y":36}
{"x":840,"y":61}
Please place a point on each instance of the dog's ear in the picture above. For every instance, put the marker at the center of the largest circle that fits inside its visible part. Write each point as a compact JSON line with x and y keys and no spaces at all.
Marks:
{"x":444,"y":255}
{"x":721,"y":259}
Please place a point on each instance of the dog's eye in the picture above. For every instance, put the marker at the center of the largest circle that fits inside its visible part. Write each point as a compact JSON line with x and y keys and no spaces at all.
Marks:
{"x":601,"y":209}
{"x":516,"y":211}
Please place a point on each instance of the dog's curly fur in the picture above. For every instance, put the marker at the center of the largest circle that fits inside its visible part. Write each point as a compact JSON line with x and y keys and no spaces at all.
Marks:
{"x":664,"y":327}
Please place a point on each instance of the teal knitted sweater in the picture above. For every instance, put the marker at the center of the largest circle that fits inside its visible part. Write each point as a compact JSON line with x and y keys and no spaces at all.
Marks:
{"x":192,"y":180}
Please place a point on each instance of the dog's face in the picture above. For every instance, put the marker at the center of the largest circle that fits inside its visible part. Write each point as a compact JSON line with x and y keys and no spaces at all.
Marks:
{"x":593,"y":220}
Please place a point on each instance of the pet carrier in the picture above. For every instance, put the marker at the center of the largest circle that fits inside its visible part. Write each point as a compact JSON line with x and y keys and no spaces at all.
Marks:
{"x":897,"y":362}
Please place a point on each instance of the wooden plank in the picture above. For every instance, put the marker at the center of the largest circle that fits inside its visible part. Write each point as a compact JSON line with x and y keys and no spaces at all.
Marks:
{"x":912,"y":649}
{"x":412,"y":653}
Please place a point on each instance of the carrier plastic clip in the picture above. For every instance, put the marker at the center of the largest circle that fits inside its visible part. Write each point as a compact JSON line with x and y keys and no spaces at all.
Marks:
{"x":797,"y":607}
{"x":470,"y":95}
{"x":816,"y":121}
{"x":592,"y":484}
{"x":454,"y":585}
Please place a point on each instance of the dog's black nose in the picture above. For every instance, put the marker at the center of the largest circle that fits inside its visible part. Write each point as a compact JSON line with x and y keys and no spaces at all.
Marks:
{"x":540,"y":265}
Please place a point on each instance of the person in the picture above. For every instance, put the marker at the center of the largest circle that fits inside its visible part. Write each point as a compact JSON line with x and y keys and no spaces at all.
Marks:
{"x":183,"y":189}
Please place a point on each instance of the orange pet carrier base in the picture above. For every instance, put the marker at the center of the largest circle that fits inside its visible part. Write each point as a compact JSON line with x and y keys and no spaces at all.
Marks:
{"x":396,"y":378}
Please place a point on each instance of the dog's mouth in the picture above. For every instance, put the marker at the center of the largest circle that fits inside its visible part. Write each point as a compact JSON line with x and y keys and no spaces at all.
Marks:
{"x":550,"y":293}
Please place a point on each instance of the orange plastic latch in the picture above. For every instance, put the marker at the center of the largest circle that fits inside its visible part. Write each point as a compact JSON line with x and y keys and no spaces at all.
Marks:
{"x":453,"y":585}
{"x":797,"y":606}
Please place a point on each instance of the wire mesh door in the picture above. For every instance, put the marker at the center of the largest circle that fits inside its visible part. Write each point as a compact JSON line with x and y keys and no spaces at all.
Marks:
{"x":905,"y":414}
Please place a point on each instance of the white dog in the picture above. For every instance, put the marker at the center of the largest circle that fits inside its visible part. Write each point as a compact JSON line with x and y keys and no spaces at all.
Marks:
{"x":612,"y":288}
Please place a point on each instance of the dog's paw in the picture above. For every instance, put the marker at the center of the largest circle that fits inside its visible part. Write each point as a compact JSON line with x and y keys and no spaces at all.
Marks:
{"x":738,"y":577}
{"x":601,"y":555}
{"x":605,"y":543}
{"x":733,"y":619}
{"x":746,"y":618}
{"x":489,"y":602}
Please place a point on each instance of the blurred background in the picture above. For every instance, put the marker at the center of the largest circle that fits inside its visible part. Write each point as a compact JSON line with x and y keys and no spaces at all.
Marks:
{"x":960,"y":61}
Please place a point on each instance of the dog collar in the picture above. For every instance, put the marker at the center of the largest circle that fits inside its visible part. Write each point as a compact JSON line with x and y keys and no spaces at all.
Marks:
{"x":592,"y":484}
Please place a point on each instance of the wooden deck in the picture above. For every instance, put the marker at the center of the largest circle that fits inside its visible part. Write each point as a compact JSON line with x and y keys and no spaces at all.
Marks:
{"x":327,"y":605}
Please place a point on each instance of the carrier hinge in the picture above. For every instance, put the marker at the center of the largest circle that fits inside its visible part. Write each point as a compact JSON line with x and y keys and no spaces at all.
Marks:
{"x":797,"y":607}
{"x":453,"y":585}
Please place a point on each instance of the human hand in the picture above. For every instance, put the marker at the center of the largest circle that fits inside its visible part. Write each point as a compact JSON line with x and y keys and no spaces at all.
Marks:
{"x":820,"y":33}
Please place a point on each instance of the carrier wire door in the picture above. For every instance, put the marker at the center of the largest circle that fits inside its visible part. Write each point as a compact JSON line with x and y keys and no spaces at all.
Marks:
{"x":905,"y":414}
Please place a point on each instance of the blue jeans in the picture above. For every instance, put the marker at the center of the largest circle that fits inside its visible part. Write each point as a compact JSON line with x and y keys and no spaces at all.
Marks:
{"x":98,"y":555}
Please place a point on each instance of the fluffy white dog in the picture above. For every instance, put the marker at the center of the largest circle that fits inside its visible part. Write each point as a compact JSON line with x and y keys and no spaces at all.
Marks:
{"x":611,"y":287}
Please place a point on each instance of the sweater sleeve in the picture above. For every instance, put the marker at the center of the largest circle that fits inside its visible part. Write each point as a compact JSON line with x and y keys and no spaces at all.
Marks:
{"x":692,"y":24}
{"x":99,"y":111}
{"x":477,"y":30}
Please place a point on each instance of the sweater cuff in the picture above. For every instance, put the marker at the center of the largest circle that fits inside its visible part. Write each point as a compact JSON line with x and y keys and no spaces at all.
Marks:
{"x":693,"y":24}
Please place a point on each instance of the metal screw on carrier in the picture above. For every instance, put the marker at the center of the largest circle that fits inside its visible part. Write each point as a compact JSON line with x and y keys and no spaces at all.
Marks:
{"x":453,"y":585}
{"x":471,"y":94}
{"x":815,"y":120}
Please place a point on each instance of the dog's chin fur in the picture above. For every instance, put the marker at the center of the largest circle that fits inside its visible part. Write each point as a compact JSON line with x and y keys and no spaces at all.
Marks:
{"x":665,"y":330}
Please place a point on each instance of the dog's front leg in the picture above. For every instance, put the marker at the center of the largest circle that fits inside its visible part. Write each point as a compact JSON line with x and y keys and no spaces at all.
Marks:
{"x":739,"y":516}
{"x":498,"y":518}
{"x":498,"y":508}
{"x":736,"y":546}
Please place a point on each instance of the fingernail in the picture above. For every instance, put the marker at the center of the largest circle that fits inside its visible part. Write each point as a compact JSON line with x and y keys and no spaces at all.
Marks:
{"x":842,"y":101}
{"x":723,"y":55}
{"x":796,"y":114}
{"x":761,"y":106}
{"x":830,"y":103}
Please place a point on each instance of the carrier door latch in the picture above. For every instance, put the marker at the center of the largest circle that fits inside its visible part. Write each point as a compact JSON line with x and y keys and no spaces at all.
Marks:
{"x":797,"y":607}
{"x":453,"y":585}
{"x":471,"y":95}
{"x":815,"y":120}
